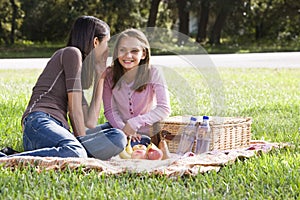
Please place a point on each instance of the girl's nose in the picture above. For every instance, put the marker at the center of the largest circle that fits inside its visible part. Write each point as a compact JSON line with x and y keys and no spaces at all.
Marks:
{"x":128,"y":54}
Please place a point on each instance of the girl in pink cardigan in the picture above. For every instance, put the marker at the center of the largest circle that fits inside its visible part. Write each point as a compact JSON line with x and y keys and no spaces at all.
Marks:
{"x":135,"y":92}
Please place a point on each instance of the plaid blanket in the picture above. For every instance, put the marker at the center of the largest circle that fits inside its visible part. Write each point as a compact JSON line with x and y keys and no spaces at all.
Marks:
{"x":174,"y":166}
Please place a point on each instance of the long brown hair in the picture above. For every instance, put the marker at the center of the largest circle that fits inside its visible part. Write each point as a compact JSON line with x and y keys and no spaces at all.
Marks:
{"x":143,"y":73}
{"x":82,"y":35}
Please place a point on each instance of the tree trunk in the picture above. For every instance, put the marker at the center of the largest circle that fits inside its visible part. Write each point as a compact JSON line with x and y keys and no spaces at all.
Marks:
{"x":259,"y":30}
{"x":183,"y":13}
{"x":13,"y":21}
{"x":225,"y":7}
{"x":153,"y":13}
{"x":2,"y":35}
{"x":259,"y":26}
{"x":217,"y":28}
{"x":202,"y":21}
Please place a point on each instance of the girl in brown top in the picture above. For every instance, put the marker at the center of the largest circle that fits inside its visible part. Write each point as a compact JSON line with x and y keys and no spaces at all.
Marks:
{"x":58,"y":93}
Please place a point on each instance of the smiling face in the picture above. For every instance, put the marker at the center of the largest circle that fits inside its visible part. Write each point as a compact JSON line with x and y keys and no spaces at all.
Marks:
{"x":131,"y":59}
{"x":130,"y":53}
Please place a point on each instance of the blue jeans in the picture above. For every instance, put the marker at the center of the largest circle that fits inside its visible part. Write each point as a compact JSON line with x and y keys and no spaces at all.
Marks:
{"x":103,"y":141}
{"x":2,"y":154}
{"x":46,"y":136}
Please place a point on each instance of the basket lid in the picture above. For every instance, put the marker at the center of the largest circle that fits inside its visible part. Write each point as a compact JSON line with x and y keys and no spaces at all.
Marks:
{"x":213,"y":120}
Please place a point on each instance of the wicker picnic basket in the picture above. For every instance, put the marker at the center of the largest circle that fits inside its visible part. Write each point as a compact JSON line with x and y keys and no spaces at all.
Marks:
{"x":227,"y":132}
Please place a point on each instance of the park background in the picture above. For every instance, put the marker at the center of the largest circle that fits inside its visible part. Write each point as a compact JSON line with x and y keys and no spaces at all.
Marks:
{"x":33,"y":28}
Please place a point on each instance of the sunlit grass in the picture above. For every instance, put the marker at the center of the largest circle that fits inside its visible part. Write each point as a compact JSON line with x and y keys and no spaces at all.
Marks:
{"x":270,"y":96}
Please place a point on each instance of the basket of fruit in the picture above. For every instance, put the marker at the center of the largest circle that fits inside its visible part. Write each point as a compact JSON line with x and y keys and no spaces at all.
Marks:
{"x":226,"y":132}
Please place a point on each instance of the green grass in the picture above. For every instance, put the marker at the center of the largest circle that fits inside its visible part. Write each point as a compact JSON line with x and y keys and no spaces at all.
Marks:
{"x":270,"y":96}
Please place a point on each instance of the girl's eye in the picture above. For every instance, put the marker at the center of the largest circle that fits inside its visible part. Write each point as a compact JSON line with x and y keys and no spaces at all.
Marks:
{"x":135,"y":51}
{"x":132,"y":51}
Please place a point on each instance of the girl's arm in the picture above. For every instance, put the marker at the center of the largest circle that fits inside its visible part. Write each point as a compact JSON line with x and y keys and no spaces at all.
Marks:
{"x":91,"y":113}
{"x":72,"y":63}
{"x":76,"y":113}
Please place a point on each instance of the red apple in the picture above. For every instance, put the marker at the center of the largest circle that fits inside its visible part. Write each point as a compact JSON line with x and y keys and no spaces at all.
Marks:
{"x":139,"y":154}
{"x":153,"y":152}
{"x":139,"y":146}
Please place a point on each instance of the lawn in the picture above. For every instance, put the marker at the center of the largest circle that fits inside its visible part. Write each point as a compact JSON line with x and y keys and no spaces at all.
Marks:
{"x":270,"y":96}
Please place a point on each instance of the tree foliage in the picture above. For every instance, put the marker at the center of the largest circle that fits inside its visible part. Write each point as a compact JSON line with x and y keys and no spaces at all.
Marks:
{"x":10,"y":20}
{"x":235,"y":21}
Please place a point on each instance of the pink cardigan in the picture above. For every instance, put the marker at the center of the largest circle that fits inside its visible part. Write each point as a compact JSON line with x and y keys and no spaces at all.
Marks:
{"x":139,"y":109}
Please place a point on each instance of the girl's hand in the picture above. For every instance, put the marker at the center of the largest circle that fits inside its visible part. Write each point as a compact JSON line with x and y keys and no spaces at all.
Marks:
{"x":103,"y":62}
{"x":130,"y":132}
{"x":136,"y":137}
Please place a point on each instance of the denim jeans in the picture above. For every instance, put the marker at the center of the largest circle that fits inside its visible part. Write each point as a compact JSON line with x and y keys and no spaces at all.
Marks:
{"x":103,"y":142}
{"x":2,"y":154}
{"x":46,"y":136}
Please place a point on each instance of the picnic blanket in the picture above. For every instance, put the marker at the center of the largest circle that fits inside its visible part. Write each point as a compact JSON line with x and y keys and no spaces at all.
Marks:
{"x":174,"y":166}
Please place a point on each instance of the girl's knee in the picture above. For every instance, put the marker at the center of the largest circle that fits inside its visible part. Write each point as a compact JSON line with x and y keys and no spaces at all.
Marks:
{"x":118,"y":138}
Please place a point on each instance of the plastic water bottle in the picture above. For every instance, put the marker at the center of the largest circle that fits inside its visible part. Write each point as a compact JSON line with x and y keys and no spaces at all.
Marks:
{"x":203,"y":137}
{"x":187,"y":137}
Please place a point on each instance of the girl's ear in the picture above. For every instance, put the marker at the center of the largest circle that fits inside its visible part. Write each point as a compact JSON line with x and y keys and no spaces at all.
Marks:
{"x":96,"y":41}
{"x":144,"y":54}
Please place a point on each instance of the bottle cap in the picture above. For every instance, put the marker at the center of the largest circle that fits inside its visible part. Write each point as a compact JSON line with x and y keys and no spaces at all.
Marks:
{"x":205,"y":117}
{"x":193,"y":118}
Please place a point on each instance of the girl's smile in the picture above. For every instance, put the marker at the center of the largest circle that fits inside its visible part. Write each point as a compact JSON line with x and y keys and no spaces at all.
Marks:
{"x":130,"y":53}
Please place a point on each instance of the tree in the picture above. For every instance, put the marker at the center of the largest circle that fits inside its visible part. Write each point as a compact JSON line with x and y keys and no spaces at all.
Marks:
{"x":120,"y":16}
{"x":153,"y":13}
{"x":13,"y":20}
{"x":10,"y":19}
{"x":202,"y":21}
{"x":48,"y":20}
{"x":4,"y":22}
{"x":277,"y":20}
{"x":183,"y":13}
{"x":236,"y":20}
{"x":261,"y":10}
{"x":51,"y":20}
{"x":224,"y":7}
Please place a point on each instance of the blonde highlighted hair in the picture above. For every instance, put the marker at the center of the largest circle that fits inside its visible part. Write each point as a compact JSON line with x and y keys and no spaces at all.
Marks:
{"x":143,"y":74}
